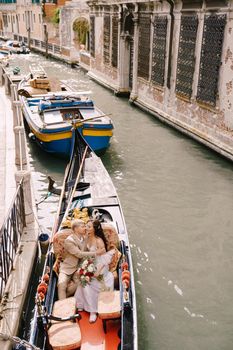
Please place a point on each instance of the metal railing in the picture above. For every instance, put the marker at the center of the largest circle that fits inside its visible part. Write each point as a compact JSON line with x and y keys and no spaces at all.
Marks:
{"x":38,"y":44}
{"x":10,"y":234}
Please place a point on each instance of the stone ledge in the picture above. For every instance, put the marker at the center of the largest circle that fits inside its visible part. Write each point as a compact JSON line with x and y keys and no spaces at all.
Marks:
{"x":211,"y":142}
{"x":102,"y":81}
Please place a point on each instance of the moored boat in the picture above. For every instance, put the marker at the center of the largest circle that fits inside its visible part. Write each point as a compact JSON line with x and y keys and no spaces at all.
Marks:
{"x":14,"y":46}
{"x":4,"y":55}
{"x":87,"y":192}
{"x":52,"y":109}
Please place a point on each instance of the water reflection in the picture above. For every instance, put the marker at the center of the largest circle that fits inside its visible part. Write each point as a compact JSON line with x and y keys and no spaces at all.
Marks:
{"x":44,"y":165}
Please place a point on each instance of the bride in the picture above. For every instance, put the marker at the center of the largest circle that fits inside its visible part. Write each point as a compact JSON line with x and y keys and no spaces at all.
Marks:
{"x":87,"y":297}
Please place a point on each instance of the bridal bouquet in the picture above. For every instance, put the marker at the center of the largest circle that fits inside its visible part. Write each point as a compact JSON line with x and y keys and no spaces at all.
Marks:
{"x":86,"y":271}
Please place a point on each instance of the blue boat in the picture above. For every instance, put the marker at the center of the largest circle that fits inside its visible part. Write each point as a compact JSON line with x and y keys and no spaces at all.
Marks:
{"x":51,"y":116}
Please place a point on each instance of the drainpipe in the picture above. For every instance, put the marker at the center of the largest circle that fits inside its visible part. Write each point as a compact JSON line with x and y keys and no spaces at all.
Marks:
{"x":171,"y":3}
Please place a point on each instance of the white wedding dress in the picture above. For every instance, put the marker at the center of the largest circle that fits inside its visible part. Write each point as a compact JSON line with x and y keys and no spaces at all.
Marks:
{"x":87,"y":297}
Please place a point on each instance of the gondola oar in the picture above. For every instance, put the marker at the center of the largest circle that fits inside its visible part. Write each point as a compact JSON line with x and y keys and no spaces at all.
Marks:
{"x":61,"y":197}
{"x":79,"y":121}
{"x":82,"y":121}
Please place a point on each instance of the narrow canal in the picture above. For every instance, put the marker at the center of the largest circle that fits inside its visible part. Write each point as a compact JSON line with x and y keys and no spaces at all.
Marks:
{"x":177,"y":198}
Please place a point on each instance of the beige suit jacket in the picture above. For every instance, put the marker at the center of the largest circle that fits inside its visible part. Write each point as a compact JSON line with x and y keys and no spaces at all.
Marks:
{"x":74,"y":250}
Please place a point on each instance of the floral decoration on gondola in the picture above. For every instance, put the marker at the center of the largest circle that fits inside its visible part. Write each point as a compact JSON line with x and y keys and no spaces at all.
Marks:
{"x":76,"y":213}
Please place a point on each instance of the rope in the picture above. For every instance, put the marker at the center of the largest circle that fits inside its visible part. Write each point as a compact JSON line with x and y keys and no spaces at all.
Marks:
{"x":19,"y":341}
{"x":48,"y":194}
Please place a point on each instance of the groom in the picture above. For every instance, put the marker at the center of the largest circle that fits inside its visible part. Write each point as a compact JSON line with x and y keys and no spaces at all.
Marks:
{"x":75,"y":248}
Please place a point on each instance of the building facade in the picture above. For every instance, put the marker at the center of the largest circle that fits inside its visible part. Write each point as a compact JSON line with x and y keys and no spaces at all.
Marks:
{"x":173,"y":58}
{"x":74,"y":28}
{"x":31,"y":19}
{"x":21,"y":17}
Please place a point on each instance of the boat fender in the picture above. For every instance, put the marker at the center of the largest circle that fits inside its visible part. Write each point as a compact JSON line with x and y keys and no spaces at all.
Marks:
{"x":45,"y":278}
{"x":124,"y":266}
{"x":125,"y":275}
{"x":41,"y":296}
{"x":42,"y":288}
{"x":126,"y":284}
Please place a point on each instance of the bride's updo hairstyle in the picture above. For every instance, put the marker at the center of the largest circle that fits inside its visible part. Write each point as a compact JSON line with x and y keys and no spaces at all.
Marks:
{"x":99,"y":232}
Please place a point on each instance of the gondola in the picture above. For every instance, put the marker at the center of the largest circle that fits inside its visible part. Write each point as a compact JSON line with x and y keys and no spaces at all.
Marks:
{"x":51,"y":108}
{"x":88,"y":190}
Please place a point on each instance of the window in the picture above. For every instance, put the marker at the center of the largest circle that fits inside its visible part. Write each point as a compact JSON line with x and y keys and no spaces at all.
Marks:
{"x":159,"y":50}
{"x":144,"y":45}
{"x":186,"y":55}
{"x":211,"y":52}
{"x":106,"y":39}
{"x":114,"y":41}
{"x":92,"y":36}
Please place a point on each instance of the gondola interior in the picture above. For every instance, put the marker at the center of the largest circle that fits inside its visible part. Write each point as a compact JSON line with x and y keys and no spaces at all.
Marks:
{"x":87,"y":192}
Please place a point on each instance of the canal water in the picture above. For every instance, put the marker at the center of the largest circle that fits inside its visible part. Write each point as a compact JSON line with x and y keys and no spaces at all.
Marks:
{"x":177,"y":198}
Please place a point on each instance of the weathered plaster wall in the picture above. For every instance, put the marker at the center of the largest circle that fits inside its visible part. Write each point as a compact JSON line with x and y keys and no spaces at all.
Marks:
{"x":226,"y":91}
{"x":97,"y":65}
{"x":215,"y":123}
{"x":69,"y":13}
{"x":18,"y":23}
{"x":191,"y":112}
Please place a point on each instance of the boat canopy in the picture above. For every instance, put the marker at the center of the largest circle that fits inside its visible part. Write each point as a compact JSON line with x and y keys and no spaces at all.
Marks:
{"x":63,"y":103}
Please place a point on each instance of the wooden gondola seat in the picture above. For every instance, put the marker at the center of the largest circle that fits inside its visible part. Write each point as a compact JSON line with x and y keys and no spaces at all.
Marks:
{"x":109,"y":306}
{"x":64,"y":335}
{"x":113,"y":241}
{"x":111,"y":235}
{"x":58,"y":247}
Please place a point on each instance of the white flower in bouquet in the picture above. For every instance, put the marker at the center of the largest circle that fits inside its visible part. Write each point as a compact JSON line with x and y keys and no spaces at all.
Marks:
{"x":84,"y":264}
{"x":86,"y":271}
{"x":91,"y":268}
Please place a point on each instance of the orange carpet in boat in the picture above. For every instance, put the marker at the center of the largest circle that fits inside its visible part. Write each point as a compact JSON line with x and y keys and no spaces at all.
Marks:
{"x":93,"y":336}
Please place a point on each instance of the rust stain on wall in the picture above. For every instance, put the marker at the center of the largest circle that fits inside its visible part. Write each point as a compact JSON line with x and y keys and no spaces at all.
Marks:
{"x":158,"y":96}
{"x":229,"y":87}
{"x":228,"y":55}
{"x":181,"y":106}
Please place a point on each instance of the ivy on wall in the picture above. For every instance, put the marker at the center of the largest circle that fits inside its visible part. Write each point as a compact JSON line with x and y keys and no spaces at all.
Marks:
{"x":56,"y":17}
{"x":81,"y":28}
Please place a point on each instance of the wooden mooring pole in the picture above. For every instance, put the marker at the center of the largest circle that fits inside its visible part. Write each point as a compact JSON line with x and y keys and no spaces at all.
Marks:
{"x":1,"y":75}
